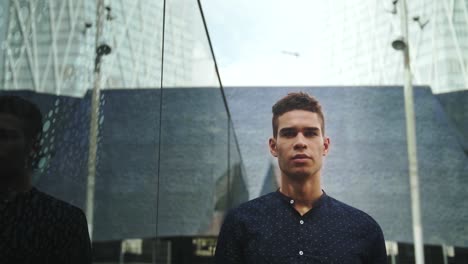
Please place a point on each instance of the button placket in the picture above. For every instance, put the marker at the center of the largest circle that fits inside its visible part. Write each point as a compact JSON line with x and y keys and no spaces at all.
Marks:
{"x":301,"y":222}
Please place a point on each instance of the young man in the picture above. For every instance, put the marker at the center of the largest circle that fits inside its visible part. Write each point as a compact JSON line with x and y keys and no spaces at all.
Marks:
{"x":34,"y":227}
{"x":299,"y":223}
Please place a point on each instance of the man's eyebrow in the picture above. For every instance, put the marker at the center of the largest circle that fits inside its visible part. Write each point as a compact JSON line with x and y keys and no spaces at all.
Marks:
{"x":288,"y":129}
{"x":311,"y":128}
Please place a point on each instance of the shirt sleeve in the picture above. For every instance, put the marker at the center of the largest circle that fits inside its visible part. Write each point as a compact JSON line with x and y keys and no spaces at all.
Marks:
{"x":229,"y":248}
{"x":378,"y":251}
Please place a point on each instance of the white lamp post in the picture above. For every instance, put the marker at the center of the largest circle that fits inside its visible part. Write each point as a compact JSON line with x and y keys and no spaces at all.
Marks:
{"x":102,"y":49}
{"x":403,"y":44}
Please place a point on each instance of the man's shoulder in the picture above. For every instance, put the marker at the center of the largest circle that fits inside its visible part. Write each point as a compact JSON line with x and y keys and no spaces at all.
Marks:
{"x":257,"y":206}
{"x":352,"y":214}
{"x":259,"y":202}
{"x":54,"y":205}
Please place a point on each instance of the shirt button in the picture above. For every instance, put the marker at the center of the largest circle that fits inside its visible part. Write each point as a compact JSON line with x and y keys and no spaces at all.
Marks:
{"x":301,"y":253}
{"x":302,"y":222}
{"x":291,"y":202}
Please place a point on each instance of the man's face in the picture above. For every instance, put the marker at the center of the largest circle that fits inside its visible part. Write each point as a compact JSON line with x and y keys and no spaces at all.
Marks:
{"x":299,"y":144}
{"x":14,"y":148}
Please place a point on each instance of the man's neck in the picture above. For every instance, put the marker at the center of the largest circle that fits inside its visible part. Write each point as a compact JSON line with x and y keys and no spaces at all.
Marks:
{"x":304,"y":193}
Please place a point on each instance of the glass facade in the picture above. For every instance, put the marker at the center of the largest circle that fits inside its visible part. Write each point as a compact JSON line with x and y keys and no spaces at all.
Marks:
{"x":358,"y":43}
{"x":136,"y":130}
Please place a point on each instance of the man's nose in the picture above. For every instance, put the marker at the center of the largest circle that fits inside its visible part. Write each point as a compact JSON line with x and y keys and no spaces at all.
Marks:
{"x":300,"y":142}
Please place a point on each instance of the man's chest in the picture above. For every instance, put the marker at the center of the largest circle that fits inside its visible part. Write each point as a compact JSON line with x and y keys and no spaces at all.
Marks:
{"x":298,"y":239}
{"x":26,"y":238}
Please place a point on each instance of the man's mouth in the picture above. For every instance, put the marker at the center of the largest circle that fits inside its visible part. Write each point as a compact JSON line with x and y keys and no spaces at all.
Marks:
{"x":300,"y":157}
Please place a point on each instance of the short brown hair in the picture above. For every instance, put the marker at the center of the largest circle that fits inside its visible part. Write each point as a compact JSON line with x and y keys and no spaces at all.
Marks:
{"x":296,"y":101}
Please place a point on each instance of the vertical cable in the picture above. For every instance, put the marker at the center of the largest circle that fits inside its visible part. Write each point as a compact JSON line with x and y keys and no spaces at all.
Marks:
{"x":214,"y":59}
{"x":229,"y":200}
{"x":160,"y":121}
{"x":224,"y":100}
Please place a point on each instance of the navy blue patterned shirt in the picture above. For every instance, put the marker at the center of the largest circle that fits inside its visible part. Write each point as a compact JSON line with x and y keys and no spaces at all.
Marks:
{"x":36,"y":228}
{"x":270,"y":230}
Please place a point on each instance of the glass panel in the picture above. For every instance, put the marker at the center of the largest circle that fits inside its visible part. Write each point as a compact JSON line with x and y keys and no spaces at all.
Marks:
{"x":126,"y":195}
{"x":94,"y":70}
{"x":50,"y":48}
{"x":237,"y":192}
{"x":188,"y":62}
{"x":195,"y":141}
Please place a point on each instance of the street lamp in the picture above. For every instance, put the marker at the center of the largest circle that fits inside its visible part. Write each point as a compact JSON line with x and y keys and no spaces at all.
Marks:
{"x":403,"y":45}
{"x":102,"y":49}
{"x":399,"y":44}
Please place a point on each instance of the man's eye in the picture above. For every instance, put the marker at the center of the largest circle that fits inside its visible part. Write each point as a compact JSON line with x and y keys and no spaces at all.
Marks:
{"x":289,"y":133}
{"x":310,"y":133}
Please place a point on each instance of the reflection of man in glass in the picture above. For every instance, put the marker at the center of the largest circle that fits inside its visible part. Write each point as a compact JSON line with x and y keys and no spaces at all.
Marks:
{"x":299,"y":223}
{"x":34,"y":227}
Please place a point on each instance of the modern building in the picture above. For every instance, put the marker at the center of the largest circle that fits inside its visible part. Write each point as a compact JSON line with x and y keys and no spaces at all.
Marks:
{"x":50,"y":46}
{"x":175,"y":150}
{"x":359,"y":36}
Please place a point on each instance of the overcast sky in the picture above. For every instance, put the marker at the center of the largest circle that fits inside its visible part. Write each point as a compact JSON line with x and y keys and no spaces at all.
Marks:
{"x":256,"y":41}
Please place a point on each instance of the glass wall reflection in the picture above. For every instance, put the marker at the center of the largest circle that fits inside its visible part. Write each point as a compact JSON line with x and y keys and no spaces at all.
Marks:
{"x":167,"y":164}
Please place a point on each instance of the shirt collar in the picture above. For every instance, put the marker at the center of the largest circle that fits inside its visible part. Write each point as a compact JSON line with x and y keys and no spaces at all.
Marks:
{"x":319,"y":202}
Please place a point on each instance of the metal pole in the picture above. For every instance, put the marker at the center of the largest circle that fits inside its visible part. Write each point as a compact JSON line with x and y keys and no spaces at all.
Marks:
{"x":444,"y":253}
{"x":169,"y":252}
{"x":411,"y":141}
{"x":94,"y":125}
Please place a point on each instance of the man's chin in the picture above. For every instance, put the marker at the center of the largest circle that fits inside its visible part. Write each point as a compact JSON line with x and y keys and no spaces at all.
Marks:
{"x":298,"y":175}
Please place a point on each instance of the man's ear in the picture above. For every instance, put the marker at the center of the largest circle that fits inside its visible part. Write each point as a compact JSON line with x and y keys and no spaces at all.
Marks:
{"x":33,"y":148}
{"x":326,"y":145}
{"x":272,"y":144}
